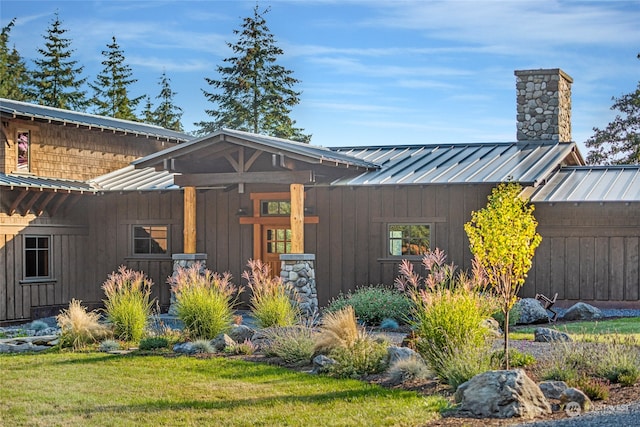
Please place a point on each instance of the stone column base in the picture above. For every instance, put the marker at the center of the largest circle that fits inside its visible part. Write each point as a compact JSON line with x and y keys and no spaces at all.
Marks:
{"x":298,"y":273}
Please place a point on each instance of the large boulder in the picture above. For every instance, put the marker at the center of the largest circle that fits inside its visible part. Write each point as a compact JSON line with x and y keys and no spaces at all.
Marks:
{"x":574,"y":395}
{"x":502,"y":394}
{"x":550,"y":335}
{"x":582,"y":311}
{"x":553,"y":389}
{"x":531,"y":311}
{"x":396,"y":353}
{"x":241,"y":333}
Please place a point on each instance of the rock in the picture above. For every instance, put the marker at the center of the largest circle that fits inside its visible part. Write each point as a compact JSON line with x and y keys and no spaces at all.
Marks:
{"x":502,"y":394}
{"x":575,"y":395}
{"x":531,"y":311}
{"x":582,"y":311}
{"x":241,"y":333}
{"x":396,"y":353}
{"x":222,"y":341}
{"x":550,"y":335}
{"x":493,"y":326}
{"x":322,"y":363}
{"x":184,"y":348}
{"x":552,"y":389}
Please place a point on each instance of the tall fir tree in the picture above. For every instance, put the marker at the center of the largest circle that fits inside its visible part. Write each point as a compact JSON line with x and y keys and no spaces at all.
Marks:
{"x":254,"y":93}
{"x":14,"y":76}
{"x":56,"y":79}
{"x":619,"y":142}
{"x":167,"y":114}
{"x":147,"y":111}
{"x":111,"y":87}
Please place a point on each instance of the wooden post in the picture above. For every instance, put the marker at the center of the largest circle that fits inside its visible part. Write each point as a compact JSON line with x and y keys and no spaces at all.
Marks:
{"x":297,"y":218}
{"x":189,"y":231}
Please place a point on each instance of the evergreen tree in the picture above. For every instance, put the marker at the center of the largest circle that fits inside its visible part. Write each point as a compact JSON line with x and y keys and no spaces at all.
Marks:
{"x":111,"y":88}
{"x":56,"y":79}
{"x":254,"y":93}
{"x":619,"y":142}
{"x":167,"y":114}
{"x":14,"y":76}
{"x":147,"y":112}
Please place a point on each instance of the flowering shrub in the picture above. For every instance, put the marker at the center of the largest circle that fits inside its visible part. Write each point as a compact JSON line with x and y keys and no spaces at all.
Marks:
{"x":373,"y":304}
{"x":128,"y":303}
{"x":204,"y":300}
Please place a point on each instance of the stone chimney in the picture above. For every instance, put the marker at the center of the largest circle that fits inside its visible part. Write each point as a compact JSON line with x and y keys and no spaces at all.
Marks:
{"x":544,"y":105}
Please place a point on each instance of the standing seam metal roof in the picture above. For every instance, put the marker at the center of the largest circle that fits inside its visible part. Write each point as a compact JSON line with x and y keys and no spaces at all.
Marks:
{"x":29,"y":181}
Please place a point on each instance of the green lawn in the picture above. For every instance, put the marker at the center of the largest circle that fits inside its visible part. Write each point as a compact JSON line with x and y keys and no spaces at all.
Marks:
{"x":96,"y":389}
{"x":590,"y":331}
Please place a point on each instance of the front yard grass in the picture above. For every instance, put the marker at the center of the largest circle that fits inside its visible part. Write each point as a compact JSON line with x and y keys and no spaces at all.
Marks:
{"x":588,"y":331}
{"x":96,"y":389}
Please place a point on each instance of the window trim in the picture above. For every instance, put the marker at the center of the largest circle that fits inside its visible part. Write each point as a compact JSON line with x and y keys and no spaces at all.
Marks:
{"x":387,"y":239}
{"x":49,"y":250}
{"x":132,"y":239}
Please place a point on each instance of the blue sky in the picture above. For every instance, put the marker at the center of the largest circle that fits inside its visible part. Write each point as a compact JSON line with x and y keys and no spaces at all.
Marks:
{"x":372,"y":72}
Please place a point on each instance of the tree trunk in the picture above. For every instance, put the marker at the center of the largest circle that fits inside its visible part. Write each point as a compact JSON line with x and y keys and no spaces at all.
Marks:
{"x":506,"y":339}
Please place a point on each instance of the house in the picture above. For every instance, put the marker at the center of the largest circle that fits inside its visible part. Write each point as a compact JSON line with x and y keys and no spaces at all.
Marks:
{"x":351,"y":213}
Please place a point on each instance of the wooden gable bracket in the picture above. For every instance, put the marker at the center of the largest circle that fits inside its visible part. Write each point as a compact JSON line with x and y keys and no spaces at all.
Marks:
{"x":58,"y":203}
{"x":240,"y":165}
{"x":31,"y":202}
{"x":16,"y":202}
{"x":45,"y":202}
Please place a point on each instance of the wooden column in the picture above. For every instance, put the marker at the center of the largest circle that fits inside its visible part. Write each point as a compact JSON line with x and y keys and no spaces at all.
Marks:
{"x":189,"y":231}
{"x":297,"y":218}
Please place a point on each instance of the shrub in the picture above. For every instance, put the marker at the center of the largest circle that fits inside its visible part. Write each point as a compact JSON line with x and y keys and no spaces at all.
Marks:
{"x":153,"y":343}
{"x":204,"y":301}
{"x":109,"y":345}
{"x":246,"y":347}
{"x":293,"y":344}
{"x":128,"y":304}
{"x":364,"y":356}
{"x":202,"y":346}
{"x":338,"y":329}
{"x":389,"y":324}
{"x":514,"y":316}
{"x":408,"y":369}
{"x":518,"y":359}
{"x":619,"y":361}
{"x":373,"y":304}
{"x":448,"y":314}
{"x":79,"y":327}
{"x":594,"y":388}
{"x":38,"y":325}
{"x":271,"y":303}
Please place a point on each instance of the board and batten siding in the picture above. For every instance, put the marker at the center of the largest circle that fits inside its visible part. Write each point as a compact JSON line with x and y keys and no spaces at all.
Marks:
{"x":68,"y":246}
{"x":589,"y":252}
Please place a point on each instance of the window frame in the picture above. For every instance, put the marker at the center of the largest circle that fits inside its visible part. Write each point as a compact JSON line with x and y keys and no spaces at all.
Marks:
{"x":388,"y":239}
{"x":133,"y":239}
{"x":37,"y":250}
{"x":23,"y":167}
{"x":280,"y":202}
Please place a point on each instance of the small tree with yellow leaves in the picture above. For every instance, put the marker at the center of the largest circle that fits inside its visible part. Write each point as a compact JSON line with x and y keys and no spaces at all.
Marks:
{"x":503,"y":237}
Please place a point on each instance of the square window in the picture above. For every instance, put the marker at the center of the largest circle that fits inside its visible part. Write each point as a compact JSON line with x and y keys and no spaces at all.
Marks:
{"x":409,"y":239}
{"x":150,"y":239}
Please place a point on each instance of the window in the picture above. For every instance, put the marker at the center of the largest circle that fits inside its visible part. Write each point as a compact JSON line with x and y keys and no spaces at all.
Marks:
{"x":150,"y":239}
{"x":24,"y":150}
{"x":278,"y":240}
{"x":36,"y":256}
{"x":275,"y":207}
{"x":409,"y":239}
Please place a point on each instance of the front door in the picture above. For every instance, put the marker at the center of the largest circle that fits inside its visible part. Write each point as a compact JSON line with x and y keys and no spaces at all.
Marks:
{"x":276,"y":240}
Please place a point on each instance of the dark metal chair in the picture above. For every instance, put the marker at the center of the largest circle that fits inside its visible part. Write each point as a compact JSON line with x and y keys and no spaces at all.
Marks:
{"x":547,"y":303}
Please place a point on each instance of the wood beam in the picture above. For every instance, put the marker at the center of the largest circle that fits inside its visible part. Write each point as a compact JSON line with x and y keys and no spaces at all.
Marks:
{"x":297,"y":218}
{"x":58,"y":203}
{"x":31,"y":202}
{"x":189,"y":231}
{"x":284,"y":221}
{"x":45,"y":202}
{"x":16,"y":202}
{"x":279,"y":177}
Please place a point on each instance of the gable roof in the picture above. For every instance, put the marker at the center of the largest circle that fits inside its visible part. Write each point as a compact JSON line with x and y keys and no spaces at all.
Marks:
{"x":24,"y":110}
{"x":54,"y":184}
{"x":592,"y":184}
{"x":297,"y":150}
{"x":529,"y":163}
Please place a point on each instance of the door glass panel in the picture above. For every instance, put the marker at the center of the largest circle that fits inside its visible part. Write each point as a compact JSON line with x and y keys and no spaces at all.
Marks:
{"x":278,"y":240}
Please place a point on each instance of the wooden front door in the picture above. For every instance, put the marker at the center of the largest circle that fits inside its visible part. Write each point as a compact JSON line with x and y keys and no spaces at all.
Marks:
{"x":276,"y":240}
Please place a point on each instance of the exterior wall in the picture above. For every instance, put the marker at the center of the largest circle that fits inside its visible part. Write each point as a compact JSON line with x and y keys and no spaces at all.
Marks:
{"x":69,"y":244}
{"x":589,"y":252}
{"x":543,"y":105}
{"x":68,"y":152}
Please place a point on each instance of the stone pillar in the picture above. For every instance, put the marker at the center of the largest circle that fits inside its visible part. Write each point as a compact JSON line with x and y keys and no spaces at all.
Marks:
{"x":298,"y":273}
{"x":184,"y":261}
{"x":543,"y":105}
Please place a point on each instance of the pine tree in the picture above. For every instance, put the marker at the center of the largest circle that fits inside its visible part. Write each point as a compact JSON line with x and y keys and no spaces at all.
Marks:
{"x":14,"y":76}
{"x":111,"y":88}
{"x":147,"y":112}
{"x":619,"y":142}
{"x":254,"y":93}
{"x":56,"y":81}
{"x":167,"y":114}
